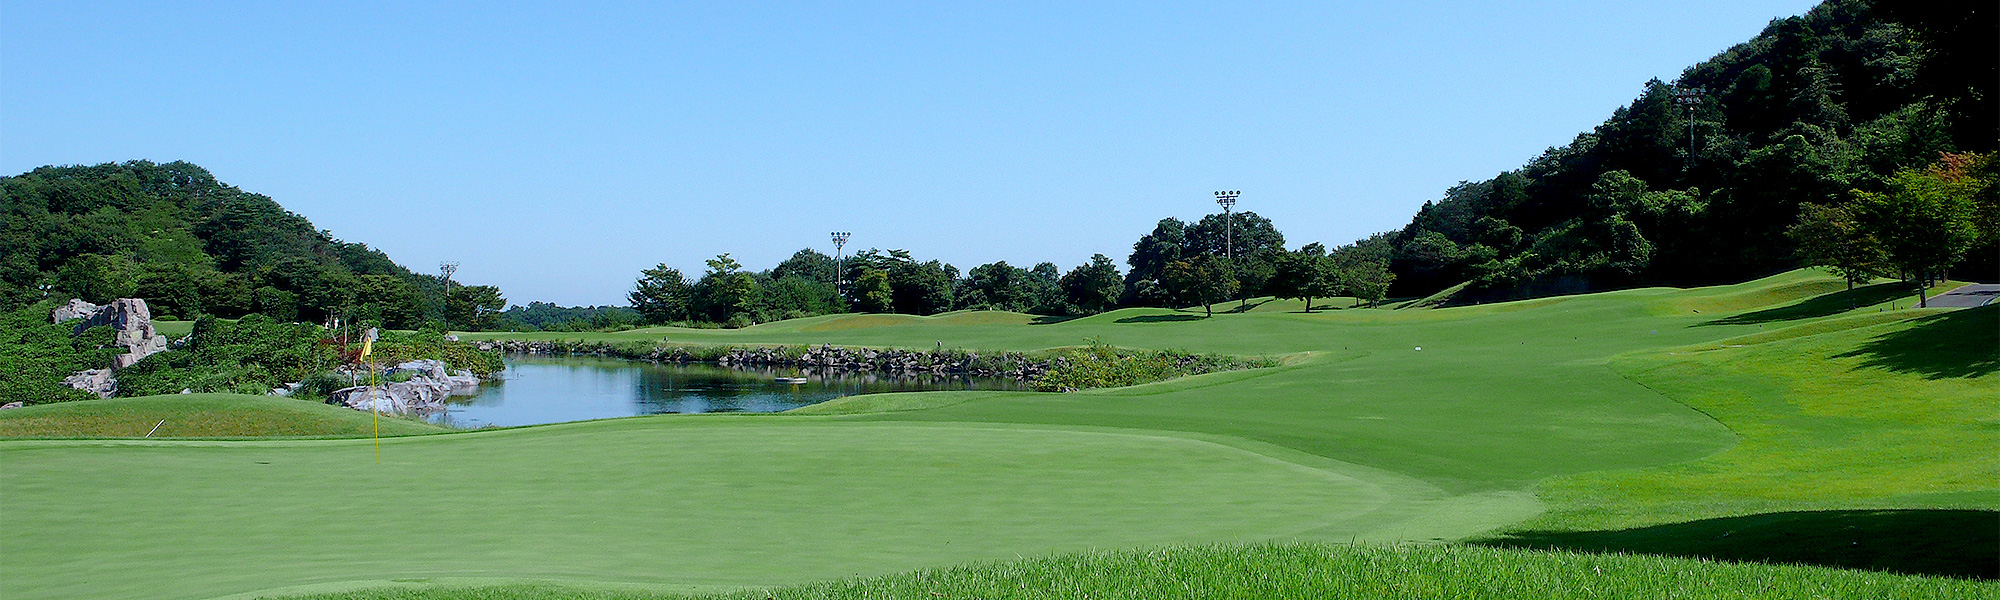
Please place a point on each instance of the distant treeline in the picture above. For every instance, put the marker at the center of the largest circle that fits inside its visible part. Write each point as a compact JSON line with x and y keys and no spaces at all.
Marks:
{"x":191,"y":245}
{"x":1818,"y":109}
{"x":1177,"y":264}
{"x":544,"y":316}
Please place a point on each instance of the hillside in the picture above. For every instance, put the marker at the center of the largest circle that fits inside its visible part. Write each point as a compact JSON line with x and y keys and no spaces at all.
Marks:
{"x":190,"y":245}
{"x":1667,"y":193}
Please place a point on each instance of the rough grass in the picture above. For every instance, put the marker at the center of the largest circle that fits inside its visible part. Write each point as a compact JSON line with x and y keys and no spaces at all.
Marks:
{"x":199,"y":415}
{"x":1299,"y":571}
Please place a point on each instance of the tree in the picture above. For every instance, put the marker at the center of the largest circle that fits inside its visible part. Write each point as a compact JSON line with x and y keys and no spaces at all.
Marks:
{"x":1832,"y":237}
{"x":393,"y":301}
{"x":794,"y":296}
{"x":1250,"y":235}
{"x":809,"y":264}
{"x":95,"y":279}
{"x":661,"y":294}
{"x":1362,"y":276}
{"x":1925,"y":222}
{"x":871,"y":292}
{"x":1203,"y":280}
{"x":1304,"y":275}
{"x":1157,"y":249}
{"x":474,"y":307}
{"x":920,"y":288}
{"x":725,"y":291}
{"x":1093,"y":288}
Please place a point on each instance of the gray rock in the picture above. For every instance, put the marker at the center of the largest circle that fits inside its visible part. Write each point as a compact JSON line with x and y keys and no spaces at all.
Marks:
{"x":129,"y":318}
{"x":12,"y":405}
{"x":75,"y":309}
{"x":95,"y":381}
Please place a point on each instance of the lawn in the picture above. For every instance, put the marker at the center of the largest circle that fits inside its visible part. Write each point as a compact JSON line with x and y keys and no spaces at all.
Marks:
{"x":199,"y":415}
{"x":1584,"y":422}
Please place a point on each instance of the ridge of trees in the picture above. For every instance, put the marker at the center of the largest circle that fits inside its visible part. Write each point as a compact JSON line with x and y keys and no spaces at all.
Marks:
{"x":191,"y":245}
{"x":1820,"y":109}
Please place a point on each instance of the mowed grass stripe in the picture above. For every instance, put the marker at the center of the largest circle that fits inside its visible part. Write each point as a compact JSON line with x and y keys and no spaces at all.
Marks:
{"x":701,"y":501}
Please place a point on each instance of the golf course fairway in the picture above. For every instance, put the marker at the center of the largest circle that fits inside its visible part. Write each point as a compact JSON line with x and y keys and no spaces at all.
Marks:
{"x":1380,"y":426}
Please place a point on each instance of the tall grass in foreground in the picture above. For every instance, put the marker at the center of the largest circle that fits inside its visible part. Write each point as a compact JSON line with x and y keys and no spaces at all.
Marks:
{"x":1309,"y":571}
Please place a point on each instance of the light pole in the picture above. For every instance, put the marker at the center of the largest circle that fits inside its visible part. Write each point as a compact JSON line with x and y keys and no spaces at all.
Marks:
{"x":447,"y":268}
{"x":839,"y":242}
{"x":1228,"y":200}
{"x":1688,"y":98}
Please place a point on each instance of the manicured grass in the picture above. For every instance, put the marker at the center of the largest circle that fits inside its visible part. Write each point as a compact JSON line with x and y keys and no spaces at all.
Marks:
{"x":1853,"y":415}
{"x":1360,"y":435}
{"x":1300,"y":571}
{"x":198,"y":415}
{"x":712,"y":501}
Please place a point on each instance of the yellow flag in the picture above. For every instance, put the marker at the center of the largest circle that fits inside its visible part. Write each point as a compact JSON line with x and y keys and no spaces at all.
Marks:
{"x":368,"y":343}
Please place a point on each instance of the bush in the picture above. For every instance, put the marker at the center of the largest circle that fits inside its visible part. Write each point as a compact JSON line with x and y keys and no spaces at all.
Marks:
{"x":1100,"y":365}
{"x":251,"y":356}
{"x":35,"y":355}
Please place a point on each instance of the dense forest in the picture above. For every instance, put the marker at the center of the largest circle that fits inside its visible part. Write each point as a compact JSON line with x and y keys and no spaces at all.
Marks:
{"x":191,"y":245}
{"x":1696,"y":182}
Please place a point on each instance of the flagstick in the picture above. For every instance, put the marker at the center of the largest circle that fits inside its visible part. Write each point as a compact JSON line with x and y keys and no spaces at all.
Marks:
{"x":375,"y":409}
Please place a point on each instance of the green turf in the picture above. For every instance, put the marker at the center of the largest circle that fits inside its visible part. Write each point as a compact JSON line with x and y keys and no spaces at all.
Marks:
{"x":199,"y":415}
{"x":1566,"y":405}
{"x":1292,"y":571}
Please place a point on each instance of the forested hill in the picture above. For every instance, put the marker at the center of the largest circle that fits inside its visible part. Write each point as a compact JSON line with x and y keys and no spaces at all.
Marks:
{"x":1815,"y":107}
{"x":191,"y":245}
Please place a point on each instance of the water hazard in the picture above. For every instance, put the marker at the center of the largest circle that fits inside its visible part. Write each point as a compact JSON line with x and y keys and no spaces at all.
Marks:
{"x":545,"y":389}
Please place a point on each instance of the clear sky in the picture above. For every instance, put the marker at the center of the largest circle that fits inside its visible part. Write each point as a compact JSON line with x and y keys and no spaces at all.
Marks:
{"x":556,"y":148}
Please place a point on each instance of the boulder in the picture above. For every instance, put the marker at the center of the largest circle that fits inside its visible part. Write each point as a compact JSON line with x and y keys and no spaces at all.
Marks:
{"x":95,"y":381}
{"x":75,"y":309}
{"x":12,"y":405}
{"x":129,"y":318}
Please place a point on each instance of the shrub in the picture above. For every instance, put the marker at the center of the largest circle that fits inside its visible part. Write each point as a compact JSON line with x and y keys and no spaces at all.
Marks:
{"x":35,"y":355}
{"x":1100,"y":365}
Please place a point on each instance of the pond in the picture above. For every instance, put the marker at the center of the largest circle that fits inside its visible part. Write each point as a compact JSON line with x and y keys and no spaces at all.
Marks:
{"x":556,"y":389}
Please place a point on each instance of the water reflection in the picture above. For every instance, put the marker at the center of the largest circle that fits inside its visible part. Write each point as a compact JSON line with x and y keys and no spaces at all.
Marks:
{"x":542,"y":389}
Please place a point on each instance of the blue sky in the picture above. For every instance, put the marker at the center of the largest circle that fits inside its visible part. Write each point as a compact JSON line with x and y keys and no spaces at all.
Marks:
{"x":556,"y":150}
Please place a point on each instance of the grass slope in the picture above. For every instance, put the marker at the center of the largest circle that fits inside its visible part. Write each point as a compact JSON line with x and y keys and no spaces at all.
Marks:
{"x":1871,"y":444}
{"x":198,"y":415}
{"x":1360,"y":436}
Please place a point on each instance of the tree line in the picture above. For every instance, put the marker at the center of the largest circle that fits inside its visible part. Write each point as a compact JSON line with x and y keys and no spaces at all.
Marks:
{"x":1177,"y":264}
{"x":1694,"y":182}
{"x":191,"y":245}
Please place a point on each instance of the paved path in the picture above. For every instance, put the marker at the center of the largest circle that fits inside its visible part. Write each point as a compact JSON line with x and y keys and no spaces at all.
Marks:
{"x":1967,"y":296}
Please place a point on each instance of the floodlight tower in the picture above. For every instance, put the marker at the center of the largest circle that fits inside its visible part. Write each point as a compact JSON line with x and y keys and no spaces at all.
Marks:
{"x":1689,"y":97}
{"x":1228,"y":200}
{"x":445,"y":270}
{"x":839,"y":243}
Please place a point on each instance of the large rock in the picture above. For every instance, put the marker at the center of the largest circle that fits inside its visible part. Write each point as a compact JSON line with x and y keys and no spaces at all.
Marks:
{"x":95,"y":381}
{"x":128,"y":317}
{"x":430,"y":383}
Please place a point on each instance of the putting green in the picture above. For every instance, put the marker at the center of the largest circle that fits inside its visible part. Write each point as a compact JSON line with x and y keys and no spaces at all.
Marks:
{"x":709,"y":501}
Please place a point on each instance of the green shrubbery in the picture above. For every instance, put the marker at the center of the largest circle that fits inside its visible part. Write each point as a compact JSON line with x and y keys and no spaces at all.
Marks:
{"x":250,"y":356}
{"x":1099,"y":365}
{"x":35,"y":355}
{"x":398,"y":347}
